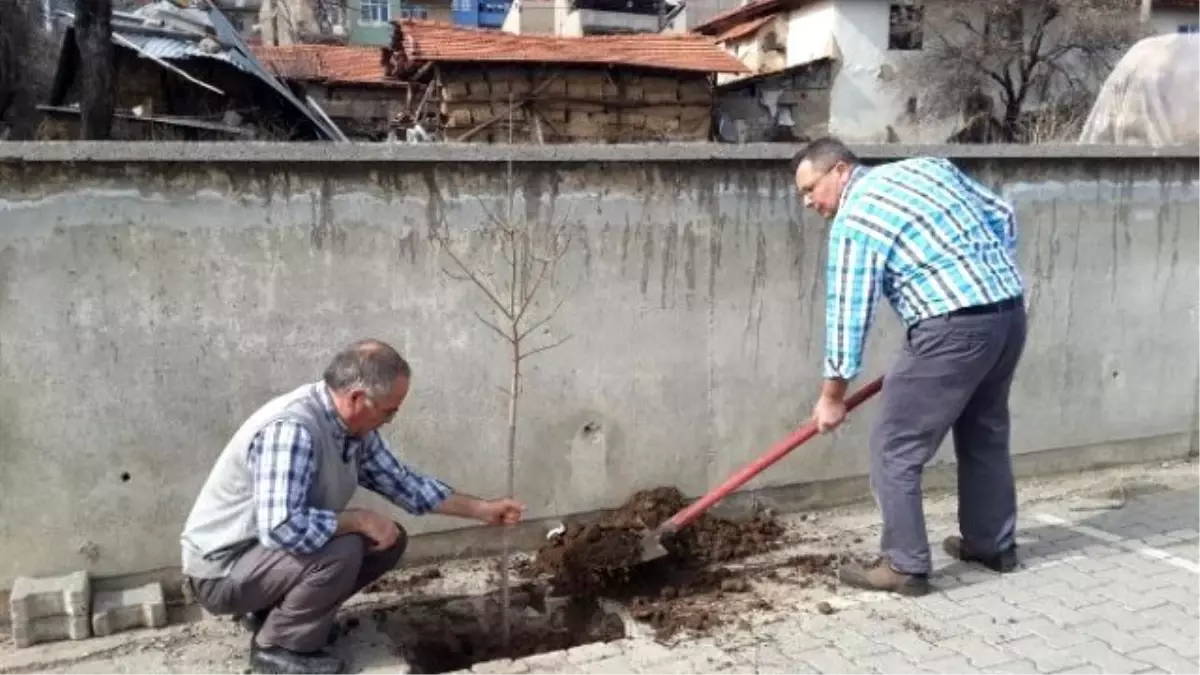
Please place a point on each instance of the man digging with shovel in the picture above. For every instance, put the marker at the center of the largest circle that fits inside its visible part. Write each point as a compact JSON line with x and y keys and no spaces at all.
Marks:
{"x":941,"y":248}
{"x":271,"y":537}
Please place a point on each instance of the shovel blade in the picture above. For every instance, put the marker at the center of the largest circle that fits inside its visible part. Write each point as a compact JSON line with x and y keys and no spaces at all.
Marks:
{"x":652,"y":548}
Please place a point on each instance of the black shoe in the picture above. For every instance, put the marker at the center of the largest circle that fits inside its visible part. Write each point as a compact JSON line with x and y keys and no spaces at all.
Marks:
{"x":254,"y":621}
{"x":1004,"y":561}
{"x":280,"y":660}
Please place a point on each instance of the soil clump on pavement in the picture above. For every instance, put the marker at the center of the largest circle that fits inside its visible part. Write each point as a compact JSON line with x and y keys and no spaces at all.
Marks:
{"x":688,"y":589}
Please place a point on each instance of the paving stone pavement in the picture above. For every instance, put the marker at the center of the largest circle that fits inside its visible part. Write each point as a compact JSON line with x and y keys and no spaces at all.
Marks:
{"x":1110,"y":585}
{"x":1105,"y":588}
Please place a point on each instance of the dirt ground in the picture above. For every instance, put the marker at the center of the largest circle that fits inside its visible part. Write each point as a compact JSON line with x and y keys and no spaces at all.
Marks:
{"x":721,"y":579}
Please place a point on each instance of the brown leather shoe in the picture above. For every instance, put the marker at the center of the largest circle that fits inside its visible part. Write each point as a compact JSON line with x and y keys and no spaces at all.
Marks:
{"x":882,"y":577}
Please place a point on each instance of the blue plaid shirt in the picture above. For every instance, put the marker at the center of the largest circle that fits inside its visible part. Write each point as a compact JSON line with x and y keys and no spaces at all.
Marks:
{"x":282,"y":463}
{"x":922,"y":234}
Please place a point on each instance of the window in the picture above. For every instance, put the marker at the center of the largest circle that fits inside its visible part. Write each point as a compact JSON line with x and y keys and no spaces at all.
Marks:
{"x":414,"y":12}
{"x":1189,"y":28}
{"x":904,"y":27}
{"x":374,"y":11}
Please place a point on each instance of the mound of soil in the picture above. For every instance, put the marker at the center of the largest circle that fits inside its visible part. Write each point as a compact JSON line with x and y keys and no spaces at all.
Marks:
{"x":683,"y":590}
{"x":605,"y":556}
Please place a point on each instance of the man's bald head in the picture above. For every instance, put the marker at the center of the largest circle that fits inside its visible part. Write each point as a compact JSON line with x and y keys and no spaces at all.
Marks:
{"x":371,"y":365}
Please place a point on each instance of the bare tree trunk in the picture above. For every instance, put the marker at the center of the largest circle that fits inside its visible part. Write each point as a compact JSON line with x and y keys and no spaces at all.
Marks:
{"x":97,"y":79}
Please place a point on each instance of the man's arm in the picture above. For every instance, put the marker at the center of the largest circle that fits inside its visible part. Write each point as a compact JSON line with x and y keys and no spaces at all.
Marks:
{"x":281,"y":465}
{"x":380,"y":471}
{"x":854,"y":276}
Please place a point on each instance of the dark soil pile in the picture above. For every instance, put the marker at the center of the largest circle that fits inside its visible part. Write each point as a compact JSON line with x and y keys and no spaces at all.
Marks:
{"x":672,"y":593}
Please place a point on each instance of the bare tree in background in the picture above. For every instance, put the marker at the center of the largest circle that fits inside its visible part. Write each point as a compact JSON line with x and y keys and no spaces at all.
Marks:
{"x":97,"y":76}
{"x":1046,"y":55}
{"x":515,"y":265}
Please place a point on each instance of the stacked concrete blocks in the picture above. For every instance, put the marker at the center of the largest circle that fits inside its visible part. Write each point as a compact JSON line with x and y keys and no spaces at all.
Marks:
{"x":116,"y":611}
{"x":54,"y":608}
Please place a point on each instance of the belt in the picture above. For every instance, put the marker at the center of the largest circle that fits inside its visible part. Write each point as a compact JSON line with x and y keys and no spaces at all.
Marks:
{"x":990,"y":308}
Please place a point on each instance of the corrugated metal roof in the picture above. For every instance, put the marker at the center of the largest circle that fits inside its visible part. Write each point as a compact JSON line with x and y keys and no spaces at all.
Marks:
{"x":150,"y":38}
{"x":168,"y":49}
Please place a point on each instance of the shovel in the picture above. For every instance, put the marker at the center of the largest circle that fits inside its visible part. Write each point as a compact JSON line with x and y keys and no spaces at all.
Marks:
{"x":652,"y":546}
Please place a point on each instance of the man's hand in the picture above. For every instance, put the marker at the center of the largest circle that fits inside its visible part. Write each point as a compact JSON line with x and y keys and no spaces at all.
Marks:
{"x":492,"y":511}
{"x":380,"y":529}
{"x":501,"y":511}
{"x":828,"y":413}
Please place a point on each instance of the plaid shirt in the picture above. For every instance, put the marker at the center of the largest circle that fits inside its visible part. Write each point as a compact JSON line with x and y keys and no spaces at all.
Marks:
{"x":282,"y":463}
{"x":925,"y":236}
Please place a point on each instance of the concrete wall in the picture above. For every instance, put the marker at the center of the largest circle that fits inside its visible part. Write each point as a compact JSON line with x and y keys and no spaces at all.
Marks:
{"x":149,"y":303}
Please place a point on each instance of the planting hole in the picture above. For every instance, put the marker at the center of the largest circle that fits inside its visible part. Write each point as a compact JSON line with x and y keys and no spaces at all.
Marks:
{"x":125,"y":477}
{"x":450,"y":634}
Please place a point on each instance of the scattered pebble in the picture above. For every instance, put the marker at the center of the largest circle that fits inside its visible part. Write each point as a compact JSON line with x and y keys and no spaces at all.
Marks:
{"x":825,"y":608}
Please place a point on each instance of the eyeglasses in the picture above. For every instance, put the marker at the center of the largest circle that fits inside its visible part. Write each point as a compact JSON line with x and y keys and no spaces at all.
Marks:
{"x":807,"y":189}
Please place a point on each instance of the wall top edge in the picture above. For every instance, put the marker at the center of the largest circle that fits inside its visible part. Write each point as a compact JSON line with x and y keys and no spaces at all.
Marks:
{"x":380,"y":153}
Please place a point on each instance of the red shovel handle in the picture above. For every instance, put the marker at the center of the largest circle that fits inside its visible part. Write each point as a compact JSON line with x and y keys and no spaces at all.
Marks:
{"x":799,"y":436}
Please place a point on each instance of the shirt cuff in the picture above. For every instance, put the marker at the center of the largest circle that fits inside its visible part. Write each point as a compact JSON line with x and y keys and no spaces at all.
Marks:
{"x":846,"y":373}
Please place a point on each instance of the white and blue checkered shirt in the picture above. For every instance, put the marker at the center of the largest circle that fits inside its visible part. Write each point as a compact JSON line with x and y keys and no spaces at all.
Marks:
{"x":283,"y":462}
{"x":922,"y":234}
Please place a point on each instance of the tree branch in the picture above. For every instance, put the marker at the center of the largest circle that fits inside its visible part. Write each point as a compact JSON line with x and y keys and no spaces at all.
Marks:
{"x":531,"y":352}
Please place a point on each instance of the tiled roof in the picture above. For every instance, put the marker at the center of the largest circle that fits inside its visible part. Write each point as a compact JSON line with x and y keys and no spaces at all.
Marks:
{"x":744,"y":29}
{"x":325,"y":63}
{"x":731,"y":19}
{"x":416,"y":42}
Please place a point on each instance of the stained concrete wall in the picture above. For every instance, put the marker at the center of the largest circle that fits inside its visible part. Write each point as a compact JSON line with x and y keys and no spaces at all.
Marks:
{"x":148,"y":303}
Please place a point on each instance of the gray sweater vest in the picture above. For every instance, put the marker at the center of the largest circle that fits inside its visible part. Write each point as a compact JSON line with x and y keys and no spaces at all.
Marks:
{"x":223,"y":523}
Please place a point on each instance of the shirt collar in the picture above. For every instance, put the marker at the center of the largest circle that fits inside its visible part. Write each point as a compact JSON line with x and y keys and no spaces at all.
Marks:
{"x":855,"y":174}
{"x":341,"y":430}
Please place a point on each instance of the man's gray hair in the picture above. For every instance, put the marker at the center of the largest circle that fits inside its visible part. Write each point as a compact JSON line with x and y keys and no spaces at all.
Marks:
{"x":371,"y":365}
{"x":823,"y":153}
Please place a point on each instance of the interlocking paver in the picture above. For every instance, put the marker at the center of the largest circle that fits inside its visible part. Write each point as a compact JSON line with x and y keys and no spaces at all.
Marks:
{"x":1020,"y":667}
{"x":1182,"y":638}
{"x":1166,"y":659}
{"x":1046,"y":658}
{"x":828,"y":660}
{"x":891,"y":662}
{"x":951,"y":664}
{"x":1104,"y":660}
{"x":1120,"y":640}
{"x":979,"y":653}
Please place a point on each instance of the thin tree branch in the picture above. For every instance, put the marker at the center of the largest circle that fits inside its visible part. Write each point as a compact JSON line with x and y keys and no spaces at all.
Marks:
{"x":543,"y":321}
{"x":538,"y":350}
{"x":499,"y":331}
{"x":472,"y":276}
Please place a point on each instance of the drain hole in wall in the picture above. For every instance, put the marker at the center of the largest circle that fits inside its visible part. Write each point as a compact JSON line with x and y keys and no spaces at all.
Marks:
{"x":125,"y":477}
{"x":590,"y":428}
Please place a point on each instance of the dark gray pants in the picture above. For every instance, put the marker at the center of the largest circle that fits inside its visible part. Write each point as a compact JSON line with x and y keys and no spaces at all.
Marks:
{"x":302,"y":592}
{"x":954,"y":373}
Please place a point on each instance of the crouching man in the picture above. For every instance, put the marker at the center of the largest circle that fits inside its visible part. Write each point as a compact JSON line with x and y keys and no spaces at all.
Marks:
{"x":270,"y":538}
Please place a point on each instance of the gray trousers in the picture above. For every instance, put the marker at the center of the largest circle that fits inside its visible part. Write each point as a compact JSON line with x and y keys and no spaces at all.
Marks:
{"x":301,"y":592}
{"x":954,"y":374}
